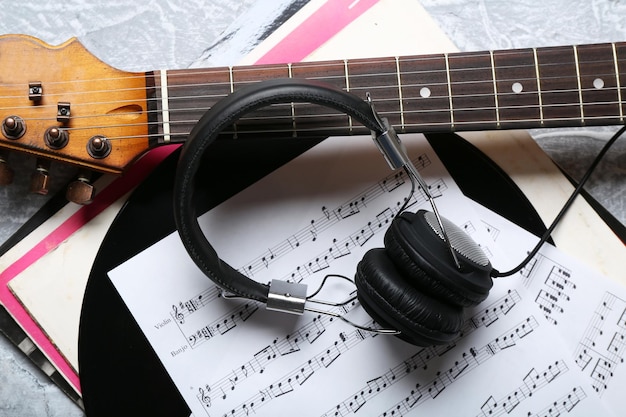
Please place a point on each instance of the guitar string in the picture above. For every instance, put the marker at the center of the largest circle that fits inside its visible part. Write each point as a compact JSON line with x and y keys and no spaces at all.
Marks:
{"x":406,"y":86}
{"x":426,"y":125}
{"x":196,"y":72}
{"x":409,"y":98}
{"x":226,"y":84}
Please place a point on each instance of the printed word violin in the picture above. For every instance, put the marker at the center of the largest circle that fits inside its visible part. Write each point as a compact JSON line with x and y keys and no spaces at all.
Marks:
{"x":62,"y":103}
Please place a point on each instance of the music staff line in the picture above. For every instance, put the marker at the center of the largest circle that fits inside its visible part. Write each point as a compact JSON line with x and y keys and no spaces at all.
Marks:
{"x":331,"y":217}
{"x":603,"y":343}
{"x":312,"y":330}
{"x":467,"y":362}
{"x":556,"y":289}
{"x":320,"y":262}
{"x":421,"y":359}
{"x":531,"y":383}
{"x":555,"y":293}
{"x":299,"y":376}
{"x":564,"y":404}
{"x":280,"y":347}
{"x":183,"y":309}
{"x":340,"y":248}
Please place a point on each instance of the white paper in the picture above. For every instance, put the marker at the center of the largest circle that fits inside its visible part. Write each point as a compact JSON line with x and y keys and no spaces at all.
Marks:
{"x":234,"y":358}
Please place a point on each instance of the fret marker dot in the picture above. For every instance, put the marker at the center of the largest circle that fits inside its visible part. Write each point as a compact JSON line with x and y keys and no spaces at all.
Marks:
{"x":517,"y":88}
{"x":598,"y":83}
{"x":425,"y":92}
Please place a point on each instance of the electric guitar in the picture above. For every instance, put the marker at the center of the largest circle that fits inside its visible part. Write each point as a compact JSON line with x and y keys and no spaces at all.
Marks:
{"x":62,"y":103}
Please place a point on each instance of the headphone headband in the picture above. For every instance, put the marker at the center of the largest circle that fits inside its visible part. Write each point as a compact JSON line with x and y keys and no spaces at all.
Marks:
{"x":222,"y":115}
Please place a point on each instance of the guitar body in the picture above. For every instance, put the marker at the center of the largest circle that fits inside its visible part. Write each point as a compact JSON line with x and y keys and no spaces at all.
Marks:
{"x":100,"y":101}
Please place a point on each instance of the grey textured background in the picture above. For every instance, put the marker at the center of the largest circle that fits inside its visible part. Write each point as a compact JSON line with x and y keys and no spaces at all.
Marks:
{"x":157,"y":34}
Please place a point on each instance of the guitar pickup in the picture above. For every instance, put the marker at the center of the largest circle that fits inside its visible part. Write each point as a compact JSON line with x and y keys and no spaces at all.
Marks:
{"x":63,"y":112}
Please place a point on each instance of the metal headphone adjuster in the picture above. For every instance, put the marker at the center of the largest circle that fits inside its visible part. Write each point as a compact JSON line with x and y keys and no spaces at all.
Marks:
{"x":397,"y":157}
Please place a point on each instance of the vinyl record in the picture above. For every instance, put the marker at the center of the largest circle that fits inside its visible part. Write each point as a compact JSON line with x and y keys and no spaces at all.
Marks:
{"x":120,"y":374}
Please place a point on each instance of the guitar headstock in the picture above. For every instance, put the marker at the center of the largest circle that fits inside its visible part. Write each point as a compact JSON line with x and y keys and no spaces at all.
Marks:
{"x":62,"y":103}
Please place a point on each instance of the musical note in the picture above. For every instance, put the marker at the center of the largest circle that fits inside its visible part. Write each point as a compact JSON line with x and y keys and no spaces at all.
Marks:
{"x":268,"y":258}
{"x":339,"y":250}
{"x":397,"y":181}
{"x":572,"y":399}
{"x":436,"y":387}
{"x":348,"y":210}
{"x":313,"y":231}
{"x":495,"y":310}
{"x":463,"y":365}
{"x":459,"y":366}
{"x":319,"y":264}
{"x":226,"y":325}
{"x":364,"y":235}
{"x":302,"y":373}
{"x":306,"y":371}
{"x":489,"y":407}
{"x":601,"y":374}
{"x":603,"y":343}
{"x":563,"y":404}
{"x":288,"y":345}
{"x":314,"y":330}
{"x":263,"y":358}
{"x":331,"y":355}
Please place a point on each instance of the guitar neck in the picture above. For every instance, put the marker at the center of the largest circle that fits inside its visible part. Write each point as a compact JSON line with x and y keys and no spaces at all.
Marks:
{"x":109,"y":118}
{"x":523,"y":88}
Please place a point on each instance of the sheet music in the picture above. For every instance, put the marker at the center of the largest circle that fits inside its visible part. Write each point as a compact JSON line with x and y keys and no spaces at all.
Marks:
{"x":587,"y":309}
{"x":234,"y":358}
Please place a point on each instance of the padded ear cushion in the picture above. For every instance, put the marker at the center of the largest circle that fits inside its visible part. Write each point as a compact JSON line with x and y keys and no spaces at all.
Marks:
{"x":393,"y":302}
{"x":406,"y":240}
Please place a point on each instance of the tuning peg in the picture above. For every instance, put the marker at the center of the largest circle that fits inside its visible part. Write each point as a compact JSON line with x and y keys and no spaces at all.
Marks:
{"x":6,"y":172}
{"x":81,"y":191}
{"x":40,"y":178}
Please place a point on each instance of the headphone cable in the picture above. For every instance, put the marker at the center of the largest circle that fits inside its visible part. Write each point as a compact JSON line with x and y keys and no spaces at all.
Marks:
{"x":546,"y":235}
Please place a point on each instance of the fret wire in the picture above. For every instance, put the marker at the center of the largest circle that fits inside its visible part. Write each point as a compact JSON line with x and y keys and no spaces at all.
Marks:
{"x":231,"y":79}
{"x":165,"y":114}
{"x":400,"y":103}
{"x":580,"y":87}
{"x":538,"y":85}
{"x":617,"y":78}
{"x":449,"y":90}
{"x":293,"y":107}
{"x":495,"y":88}
{"x":345,"y":70}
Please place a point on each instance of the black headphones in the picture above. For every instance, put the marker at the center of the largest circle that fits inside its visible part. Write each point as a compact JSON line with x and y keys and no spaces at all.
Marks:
{"x":411,"y":285}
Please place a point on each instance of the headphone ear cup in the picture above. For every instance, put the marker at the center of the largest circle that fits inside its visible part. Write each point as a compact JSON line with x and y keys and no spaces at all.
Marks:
{"x":419,"y":253}
{"x":394,"y":302}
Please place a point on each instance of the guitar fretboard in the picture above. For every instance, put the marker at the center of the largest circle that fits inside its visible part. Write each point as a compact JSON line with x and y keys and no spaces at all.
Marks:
{"x":523,"y":88}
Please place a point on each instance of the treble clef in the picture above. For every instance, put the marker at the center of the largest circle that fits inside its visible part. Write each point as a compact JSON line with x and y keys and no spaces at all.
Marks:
{"x":179,"y":316}
{"x":204,"y":396}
